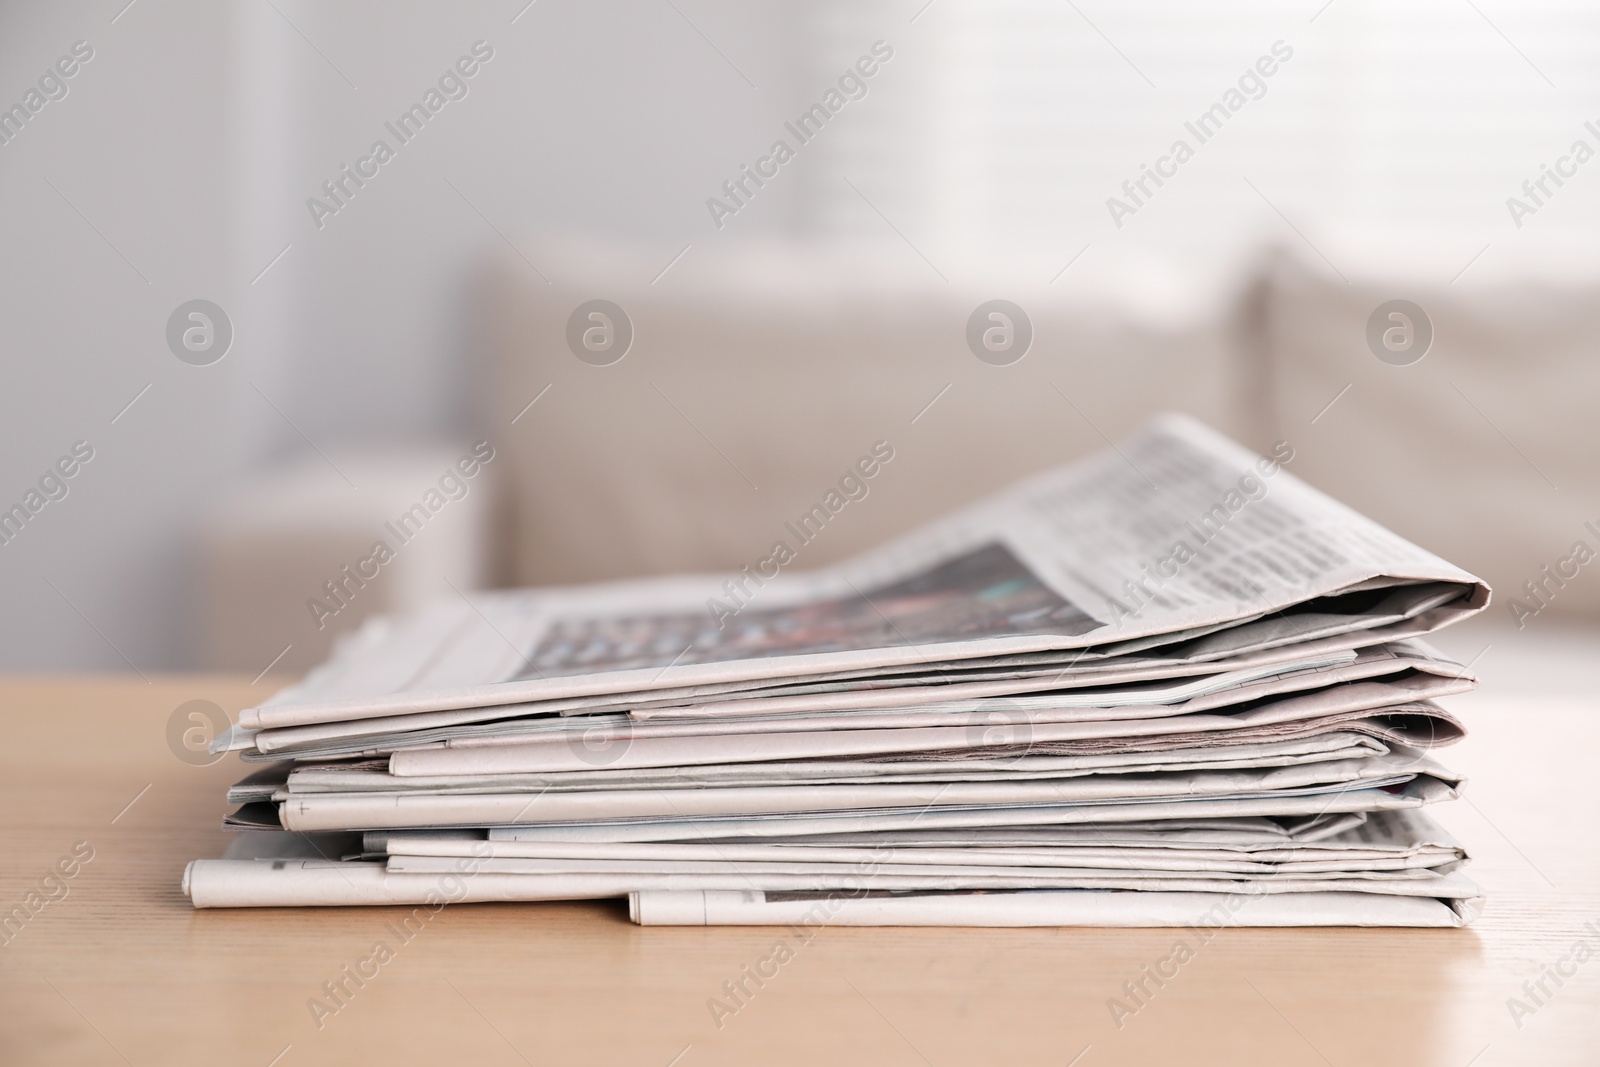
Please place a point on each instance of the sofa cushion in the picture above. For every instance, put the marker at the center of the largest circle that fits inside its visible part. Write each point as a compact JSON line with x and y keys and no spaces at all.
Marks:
{"x":1483,"y":450}
{"x":749,"y":391}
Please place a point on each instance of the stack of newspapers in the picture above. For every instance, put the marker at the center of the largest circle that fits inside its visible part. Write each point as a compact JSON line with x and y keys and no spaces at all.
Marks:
{"x":1167,"y":684}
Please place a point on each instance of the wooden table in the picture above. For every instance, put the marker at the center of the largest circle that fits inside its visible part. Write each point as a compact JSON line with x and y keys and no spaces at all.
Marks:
{"x":123,"y":971}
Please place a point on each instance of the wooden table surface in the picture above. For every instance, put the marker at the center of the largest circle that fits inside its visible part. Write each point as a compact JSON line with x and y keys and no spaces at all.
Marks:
{"x":122,"y":970}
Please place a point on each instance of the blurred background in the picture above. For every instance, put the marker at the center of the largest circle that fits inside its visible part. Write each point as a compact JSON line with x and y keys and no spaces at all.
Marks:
{"x":1200,"y":208}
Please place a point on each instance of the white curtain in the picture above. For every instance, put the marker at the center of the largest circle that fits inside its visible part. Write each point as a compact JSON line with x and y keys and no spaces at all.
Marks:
{"x":1393,"y":135}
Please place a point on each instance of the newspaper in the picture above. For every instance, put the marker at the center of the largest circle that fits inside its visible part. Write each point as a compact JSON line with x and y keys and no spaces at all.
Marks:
{"x":972,"y":734}
{"x":1431,"y":674}
{"x":1416,"y":792}
{"x":1166,"y":675}
{"x":423,"y":808}
{"x":1177,"y":538}
{"x":345,"y":737}
{"x":1330,"y":878}
{"x":372,"y":776}
{"x":1454,"y":908}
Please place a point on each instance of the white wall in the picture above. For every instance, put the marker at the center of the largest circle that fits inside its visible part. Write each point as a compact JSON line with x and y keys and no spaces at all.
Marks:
{"x":190,"y":142}
{"x":117,"y":204}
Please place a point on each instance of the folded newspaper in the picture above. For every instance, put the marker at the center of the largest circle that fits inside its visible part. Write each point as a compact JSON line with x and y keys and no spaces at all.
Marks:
{"x":1169,"y":684}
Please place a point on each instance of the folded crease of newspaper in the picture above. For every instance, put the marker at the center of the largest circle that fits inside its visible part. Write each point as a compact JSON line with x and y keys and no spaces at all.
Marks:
{"x":1167,"y":683}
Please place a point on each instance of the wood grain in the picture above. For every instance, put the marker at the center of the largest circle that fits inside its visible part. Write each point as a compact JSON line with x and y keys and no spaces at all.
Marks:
{"x":124,"y":971}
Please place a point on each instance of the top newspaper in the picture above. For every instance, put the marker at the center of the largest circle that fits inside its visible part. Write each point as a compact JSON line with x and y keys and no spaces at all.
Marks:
{"x":1177,"y":547}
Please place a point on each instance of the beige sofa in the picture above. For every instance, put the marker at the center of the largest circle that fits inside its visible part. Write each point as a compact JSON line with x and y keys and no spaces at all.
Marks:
{"x":749,"y":389}
{"x":752,"y":387}
{"x":1487,"y":450}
